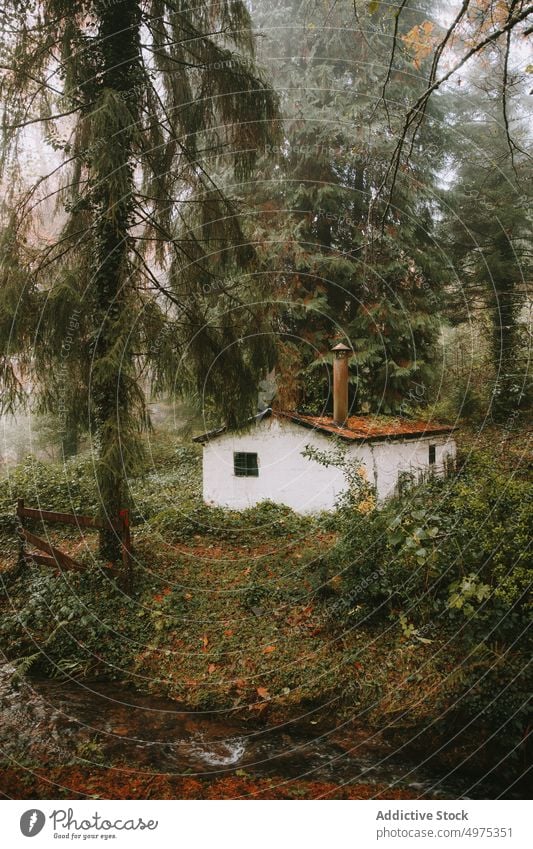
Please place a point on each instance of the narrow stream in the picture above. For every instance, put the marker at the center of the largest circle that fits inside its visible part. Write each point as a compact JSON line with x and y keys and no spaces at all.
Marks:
{"x":106,"y":723}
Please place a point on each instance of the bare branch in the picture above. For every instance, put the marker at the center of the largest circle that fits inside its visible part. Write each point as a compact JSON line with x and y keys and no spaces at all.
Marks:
{"x":510,"y":143}
{"x":418,"y":109}
{"x":394,"y":42}
{"x":41,"y":120}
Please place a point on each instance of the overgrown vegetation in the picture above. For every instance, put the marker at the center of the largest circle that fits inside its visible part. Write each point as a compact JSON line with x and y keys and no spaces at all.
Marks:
{"x":412,"y":618}
{"x":449,"y":566}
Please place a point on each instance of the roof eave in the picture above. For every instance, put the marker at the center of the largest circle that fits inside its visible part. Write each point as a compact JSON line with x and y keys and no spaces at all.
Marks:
{"x":212,"y":434}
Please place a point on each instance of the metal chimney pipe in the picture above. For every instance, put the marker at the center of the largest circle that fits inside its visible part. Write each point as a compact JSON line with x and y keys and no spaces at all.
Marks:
{"x":340,"y":383}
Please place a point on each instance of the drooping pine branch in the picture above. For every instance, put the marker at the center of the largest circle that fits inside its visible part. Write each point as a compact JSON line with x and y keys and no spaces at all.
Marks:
{"x":150,"y":110}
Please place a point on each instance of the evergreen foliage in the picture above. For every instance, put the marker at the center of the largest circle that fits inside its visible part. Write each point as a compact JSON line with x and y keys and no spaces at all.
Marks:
{"x":339,"y":270}
{"x":486,"y":235}
{"x":151,"y":107}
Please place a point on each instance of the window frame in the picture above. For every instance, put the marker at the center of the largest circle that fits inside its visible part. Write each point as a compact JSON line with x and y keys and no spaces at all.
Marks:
{"x":432,"y":454}
{"x":245,"y":468}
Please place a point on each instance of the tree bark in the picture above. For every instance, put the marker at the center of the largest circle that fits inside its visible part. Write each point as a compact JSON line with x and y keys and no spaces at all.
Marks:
{"x":119,"y":43}
{"x":70,"y":437}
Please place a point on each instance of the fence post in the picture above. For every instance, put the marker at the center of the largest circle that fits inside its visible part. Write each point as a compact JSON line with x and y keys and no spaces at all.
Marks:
{"x":20,"y":516}
{"x":126,"y":548}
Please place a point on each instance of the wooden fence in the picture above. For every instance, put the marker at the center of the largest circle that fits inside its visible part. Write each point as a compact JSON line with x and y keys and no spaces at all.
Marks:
{"x":59,"y":559}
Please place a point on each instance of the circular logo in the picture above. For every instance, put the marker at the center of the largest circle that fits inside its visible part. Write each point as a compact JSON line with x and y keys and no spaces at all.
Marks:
{"x":32,"y":822}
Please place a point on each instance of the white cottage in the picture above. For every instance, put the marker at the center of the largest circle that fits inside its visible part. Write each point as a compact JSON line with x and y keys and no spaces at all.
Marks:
{"x":267,"y":460}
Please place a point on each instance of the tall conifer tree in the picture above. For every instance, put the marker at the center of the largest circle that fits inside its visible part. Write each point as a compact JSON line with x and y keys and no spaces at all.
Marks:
{"x":343,"y":269}
{"x":152,"y":107}
{"x":487,"y":232}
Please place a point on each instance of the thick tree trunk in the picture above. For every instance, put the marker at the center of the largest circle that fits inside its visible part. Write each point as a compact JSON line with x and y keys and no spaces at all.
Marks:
{"x":120,"y":48}
{"x":70,"y":437}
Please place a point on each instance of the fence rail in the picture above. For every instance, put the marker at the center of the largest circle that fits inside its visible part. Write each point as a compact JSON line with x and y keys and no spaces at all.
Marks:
{"x":66,"y":518}
{"x":56,"y":558}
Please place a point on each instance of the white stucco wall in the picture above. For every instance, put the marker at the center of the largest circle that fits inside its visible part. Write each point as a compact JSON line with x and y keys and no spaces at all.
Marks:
{"x":388,"y":459}
{"x":286,"y":477}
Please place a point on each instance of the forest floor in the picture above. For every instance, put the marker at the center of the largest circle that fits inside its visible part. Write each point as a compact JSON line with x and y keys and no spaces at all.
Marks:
{"x":229,"y":616}
{"x":229,"y":608}
{"x":109,"y":783}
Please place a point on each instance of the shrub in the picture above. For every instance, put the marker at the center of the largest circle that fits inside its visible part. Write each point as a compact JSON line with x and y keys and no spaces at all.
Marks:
{"x":449,"y":562}
{"x":455,"y":548}
{"x":70,"y":624}
{"x":69,"y":487}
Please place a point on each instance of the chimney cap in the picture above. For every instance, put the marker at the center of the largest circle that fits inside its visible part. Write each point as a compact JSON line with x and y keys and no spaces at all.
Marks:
{"x":341,"y":349}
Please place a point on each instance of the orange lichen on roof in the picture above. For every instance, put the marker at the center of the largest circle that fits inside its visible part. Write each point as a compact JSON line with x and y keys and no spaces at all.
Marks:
{"x":358,"y":428}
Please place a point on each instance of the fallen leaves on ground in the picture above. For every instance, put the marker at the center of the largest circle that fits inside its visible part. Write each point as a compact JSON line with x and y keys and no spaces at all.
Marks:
{"x":121,"y":783}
